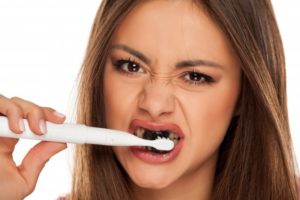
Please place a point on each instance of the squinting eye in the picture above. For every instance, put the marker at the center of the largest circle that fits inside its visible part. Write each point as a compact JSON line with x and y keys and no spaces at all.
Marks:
{"x":128,"y":66}
{"x":197,"y":78}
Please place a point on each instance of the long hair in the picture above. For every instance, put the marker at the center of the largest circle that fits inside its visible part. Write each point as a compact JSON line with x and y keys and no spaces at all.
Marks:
{"x":255,"y":158}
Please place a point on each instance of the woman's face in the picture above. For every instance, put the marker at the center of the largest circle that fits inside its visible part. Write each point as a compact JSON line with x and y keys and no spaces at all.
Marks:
{"x":171,"y":69}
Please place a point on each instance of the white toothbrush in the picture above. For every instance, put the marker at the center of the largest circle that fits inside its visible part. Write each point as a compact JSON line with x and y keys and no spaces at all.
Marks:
{"x":81,"y":134}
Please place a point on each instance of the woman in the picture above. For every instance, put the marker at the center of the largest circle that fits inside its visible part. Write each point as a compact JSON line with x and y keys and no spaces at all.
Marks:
{"x":210,"y":75}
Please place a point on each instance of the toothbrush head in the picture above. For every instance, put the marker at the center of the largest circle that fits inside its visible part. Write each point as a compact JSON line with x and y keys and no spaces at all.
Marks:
{"x":162,"y":144}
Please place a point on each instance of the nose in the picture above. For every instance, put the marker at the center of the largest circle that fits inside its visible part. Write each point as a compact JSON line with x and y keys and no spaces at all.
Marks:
{"x":156,"y":99}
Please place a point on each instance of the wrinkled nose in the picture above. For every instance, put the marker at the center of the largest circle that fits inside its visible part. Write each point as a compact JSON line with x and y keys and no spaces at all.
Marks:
{"x":157,"y":99}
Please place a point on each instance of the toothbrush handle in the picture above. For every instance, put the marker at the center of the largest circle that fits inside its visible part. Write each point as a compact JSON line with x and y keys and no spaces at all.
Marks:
{"x":72,"y":133}
{"x":81,"y":134}
{"x":76,"y":134}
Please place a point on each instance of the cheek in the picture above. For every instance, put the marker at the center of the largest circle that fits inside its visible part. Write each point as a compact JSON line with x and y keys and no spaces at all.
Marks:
{"x":120,"y":100}
{"x":212,"y":112}
{"x":208,"y":117}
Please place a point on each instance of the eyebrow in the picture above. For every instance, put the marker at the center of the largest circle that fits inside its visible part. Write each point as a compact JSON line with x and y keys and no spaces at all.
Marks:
{"x":130,"y":50}
{"x":181,"y":64}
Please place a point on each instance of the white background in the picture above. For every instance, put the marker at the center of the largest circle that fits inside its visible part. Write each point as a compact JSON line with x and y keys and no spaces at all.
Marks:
{"x":42,"y":44}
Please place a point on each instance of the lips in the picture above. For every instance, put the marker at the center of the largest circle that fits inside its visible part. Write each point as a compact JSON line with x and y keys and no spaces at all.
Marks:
{"x":150,"y":156}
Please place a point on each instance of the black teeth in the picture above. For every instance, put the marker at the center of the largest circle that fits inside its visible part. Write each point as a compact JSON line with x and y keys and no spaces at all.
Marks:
{"x":158,"y":151}
{"x":165,"y":134}
{"x":149,"y":135}
{"x":155,"y":150}
{"x":153,"y":135}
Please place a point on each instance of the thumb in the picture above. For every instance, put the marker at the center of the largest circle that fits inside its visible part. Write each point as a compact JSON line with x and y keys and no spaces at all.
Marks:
{"x":35,"y":160}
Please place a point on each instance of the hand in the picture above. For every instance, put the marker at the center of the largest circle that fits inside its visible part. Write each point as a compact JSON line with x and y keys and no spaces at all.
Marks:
{"x":17,"y":182}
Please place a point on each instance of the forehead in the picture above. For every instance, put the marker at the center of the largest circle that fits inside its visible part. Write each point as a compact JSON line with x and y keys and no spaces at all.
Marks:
{"x":171,"y":29}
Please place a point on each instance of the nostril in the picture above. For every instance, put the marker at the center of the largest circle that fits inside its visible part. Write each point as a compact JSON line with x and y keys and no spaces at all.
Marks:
{"x":156,"y":102}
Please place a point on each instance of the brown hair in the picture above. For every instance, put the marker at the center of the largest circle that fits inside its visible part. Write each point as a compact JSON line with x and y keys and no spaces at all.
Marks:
{"x":255,"y":159}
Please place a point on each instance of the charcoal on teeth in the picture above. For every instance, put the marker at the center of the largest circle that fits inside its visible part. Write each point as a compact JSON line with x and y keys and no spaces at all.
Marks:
{"x":153,"y":135}
{"x":155,"y":150}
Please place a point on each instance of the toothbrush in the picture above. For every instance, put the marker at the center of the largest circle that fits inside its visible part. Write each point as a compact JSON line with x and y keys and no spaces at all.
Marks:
{"x":81,"y":134}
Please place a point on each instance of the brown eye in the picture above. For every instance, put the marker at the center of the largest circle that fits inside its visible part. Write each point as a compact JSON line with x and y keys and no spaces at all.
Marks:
{"x":197,"y":78}
{"x":128,"y":66}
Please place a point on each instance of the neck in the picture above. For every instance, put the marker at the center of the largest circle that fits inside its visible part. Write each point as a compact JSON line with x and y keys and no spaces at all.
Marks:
{"x":196,"y":184}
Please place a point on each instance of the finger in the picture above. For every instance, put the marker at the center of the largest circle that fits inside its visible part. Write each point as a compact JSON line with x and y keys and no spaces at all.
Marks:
{"x":53,"y":116}
{"x":14,"y":114}
{"x":34,"y":114}
{"x":7,"y":146}
{"x":36,"y":159}
{"x":15,"y":123}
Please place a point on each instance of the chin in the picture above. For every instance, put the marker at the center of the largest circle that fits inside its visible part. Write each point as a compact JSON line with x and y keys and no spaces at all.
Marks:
{"x":152,"y":180}
{"x":152,"y":184}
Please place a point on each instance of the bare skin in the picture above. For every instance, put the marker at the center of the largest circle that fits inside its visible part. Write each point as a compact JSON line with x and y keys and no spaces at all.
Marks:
{"x":22,"y":179}
{"x":203,"y":111}
{"x":153,"y":90}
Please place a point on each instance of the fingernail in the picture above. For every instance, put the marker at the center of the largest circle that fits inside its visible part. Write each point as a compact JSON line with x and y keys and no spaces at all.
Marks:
{"x":58,"y":114}
{"x":43,"y":127}
{"x":21,"y":125}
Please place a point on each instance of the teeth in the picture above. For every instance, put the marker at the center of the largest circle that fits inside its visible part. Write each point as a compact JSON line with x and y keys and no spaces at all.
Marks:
{"x":172,"y":136}
{"x":175,"y":141}
{"x":148,"y":148}
{"x":140,"y":132}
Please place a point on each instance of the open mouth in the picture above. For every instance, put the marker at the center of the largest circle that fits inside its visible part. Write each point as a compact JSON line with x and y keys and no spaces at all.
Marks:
{"x":151,"y":131}
{"x":156,"y":134}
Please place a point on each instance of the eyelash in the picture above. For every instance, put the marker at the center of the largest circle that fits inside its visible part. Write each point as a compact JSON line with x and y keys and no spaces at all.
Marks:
{"x":207,"y":79}
{"x":118,"y":64}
